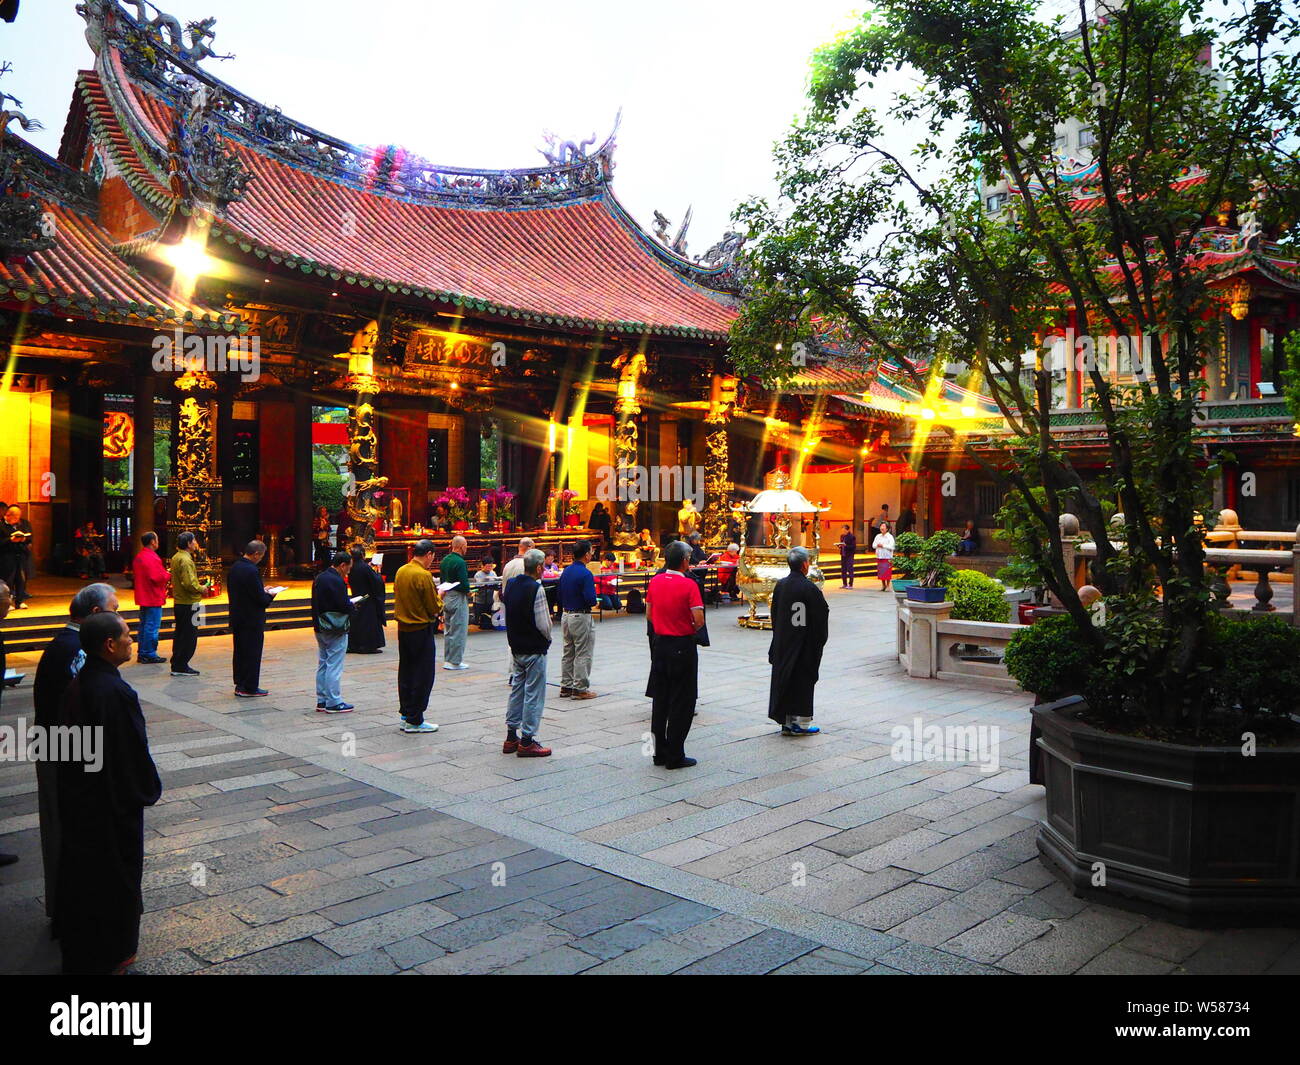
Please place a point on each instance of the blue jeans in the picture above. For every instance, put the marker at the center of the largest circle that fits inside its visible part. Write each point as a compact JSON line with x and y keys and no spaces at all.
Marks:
{"x":150,"y":623}
{"x":527,"y":693}
{"x":455,"y":613}
{"x":329,"y":670}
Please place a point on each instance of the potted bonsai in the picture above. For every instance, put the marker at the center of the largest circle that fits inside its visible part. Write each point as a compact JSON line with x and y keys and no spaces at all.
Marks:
{"x":932,"y":569}
{"x":906,"y":547}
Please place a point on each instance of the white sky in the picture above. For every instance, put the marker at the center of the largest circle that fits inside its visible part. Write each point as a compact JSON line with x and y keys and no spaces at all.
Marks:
{"x":706,"y":86}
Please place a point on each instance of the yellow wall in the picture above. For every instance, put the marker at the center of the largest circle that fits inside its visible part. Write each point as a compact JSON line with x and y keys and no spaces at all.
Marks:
{"x":16,"y":446}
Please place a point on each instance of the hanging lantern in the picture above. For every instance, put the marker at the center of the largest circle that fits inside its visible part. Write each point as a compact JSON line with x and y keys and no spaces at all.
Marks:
{"x":1240,"y":297}
{"x":119,"y":435}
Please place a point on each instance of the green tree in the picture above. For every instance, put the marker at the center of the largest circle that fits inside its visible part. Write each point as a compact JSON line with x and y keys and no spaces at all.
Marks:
{"x":897,"y":247}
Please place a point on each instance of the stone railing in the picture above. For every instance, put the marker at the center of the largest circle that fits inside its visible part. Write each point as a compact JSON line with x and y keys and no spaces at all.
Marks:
{"x":1224,"y":562}
{"x":932,"y":645}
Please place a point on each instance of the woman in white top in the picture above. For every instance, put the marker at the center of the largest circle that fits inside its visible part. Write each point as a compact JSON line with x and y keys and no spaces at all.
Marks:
{"x":884,"y":545}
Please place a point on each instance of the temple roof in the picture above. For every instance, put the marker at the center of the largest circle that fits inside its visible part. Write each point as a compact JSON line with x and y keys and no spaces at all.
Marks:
{"x":547,"y":244}
{"x":79,"y":274}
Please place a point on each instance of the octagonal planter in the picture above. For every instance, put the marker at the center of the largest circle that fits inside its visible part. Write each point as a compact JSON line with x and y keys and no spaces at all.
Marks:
{"x":1203,"y":835}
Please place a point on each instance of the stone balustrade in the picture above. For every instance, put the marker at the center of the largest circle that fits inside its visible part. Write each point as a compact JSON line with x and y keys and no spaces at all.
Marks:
{"x":933,"y":645}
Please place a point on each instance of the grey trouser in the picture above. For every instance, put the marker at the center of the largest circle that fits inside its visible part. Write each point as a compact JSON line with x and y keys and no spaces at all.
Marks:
{"x":455,"y":614}
{"x":579,"y":646}
{"x":527,"y":693}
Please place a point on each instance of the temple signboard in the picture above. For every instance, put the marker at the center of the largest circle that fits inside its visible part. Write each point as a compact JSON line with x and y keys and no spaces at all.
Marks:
{"x":428,"y":349}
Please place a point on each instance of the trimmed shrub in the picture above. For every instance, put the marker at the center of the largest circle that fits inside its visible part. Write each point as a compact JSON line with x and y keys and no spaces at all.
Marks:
{"x":1049,"y":658}
{"x":1260,"y":665}
{"x":977,"y":597}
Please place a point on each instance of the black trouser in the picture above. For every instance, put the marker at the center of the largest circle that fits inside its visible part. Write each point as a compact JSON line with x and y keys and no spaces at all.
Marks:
{"x":248,"y":641}
{"x":185,"y":638}
{"x":676,"y":684}
{"x":417,"y":661}
{"x":846,"y":572}
{"x":13,"y":571}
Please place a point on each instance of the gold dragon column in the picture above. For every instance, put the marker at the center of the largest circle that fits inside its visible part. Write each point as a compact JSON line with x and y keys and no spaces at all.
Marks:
{"x":195,"y":484}
{"x":363,"y":442}
{"x":627,"y":481}
{"x":717,"y":484}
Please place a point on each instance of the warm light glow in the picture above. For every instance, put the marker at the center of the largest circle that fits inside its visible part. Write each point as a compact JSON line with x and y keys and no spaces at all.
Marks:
{"x":550,"y":436}
{"x":927,"y":413}
{"x":968,"y":412}
{"x":190,"y":261}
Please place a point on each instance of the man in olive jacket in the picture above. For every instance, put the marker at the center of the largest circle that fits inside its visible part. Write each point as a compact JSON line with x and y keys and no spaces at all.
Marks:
{"x":187,"y":597}
{"x":416,"y":606}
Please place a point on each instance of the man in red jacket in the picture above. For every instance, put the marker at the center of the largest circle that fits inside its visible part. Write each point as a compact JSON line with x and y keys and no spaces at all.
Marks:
{"x":151,"y":579}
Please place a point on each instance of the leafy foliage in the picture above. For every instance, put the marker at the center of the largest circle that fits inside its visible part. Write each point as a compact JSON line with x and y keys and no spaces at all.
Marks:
{"x":977,"y":597}
{"x":932,"y":568}
{"x":906,"y":547}
{"x":896,"y":249}
{"x":1260,"y":671}
{"x":1049,"y":658}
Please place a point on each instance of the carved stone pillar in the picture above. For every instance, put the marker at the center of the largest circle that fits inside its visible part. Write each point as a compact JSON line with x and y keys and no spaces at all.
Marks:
{"x":196,"y":485}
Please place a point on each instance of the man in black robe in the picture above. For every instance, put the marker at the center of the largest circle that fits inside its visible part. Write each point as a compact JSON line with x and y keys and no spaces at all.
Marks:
{"x":799,"y":631}
{"x":15,"y":553}
{"x":6,"y":601}
{"x":366,"y":637}
{"x":60,"y":662}
{"x":101,"y":807}
{"x":248,"y":602}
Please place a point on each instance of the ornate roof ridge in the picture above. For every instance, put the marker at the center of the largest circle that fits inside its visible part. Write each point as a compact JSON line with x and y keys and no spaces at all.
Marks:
{"x":48,"y":179}
{"x":153,"y":54}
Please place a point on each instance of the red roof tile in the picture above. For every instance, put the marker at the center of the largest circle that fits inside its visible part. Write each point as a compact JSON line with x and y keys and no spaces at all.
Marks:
{"x":575,"y":264}
{"x":573,"y":261}
{"x":83,"y":277}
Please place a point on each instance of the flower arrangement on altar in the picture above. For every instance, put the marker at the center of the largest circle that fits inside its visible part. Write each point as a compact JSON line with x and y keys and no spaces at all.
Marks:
{"x":568,"y":506}
{"x":458,"y":504}
{"x":502,"y":501}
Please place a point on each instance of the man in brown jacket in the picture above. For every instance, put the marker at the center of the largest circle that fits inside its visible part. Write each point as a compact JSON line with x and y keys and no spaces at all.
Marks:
{"x":416,"y":605}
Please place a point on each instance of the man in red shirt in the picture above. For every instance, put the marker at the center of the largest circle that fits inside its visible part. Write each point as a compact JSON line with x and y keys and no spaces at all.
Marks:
{"x":676,"y":614}
{"x":150,"y":576}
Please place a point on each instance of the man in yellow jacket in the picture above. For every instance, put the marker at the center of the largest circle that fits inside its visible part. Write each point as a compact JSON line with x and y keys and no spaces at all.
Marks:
{"x":187,"y":597}
{"x":416,"y":605}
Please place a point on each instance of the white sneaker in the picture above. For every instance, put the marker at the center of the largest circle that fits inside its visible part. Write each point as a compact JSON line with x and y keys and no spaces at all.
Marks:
{"x":427,"y":726}
{"x":448,"y":665}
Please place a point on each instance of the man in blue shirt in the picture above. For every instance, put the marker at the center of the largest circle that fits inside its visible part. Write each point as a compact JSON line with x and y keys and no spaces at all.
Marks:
{"x":577,"y":595}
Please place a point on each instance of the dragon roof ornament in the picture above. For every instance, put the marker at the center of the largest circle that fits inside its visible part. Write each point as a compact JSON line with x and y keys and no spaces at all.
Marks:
{"x":157,"y":57}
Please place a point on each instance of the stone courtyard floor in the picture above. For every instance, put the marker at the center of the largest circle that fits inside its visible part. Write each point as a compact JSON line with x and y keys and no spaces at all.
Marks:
{"x":290,"y":842}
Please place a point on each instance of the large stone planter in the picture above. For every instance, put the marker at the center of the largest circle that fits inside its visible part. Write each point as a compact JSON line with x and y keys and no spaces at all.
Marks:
{"x":1206,"y":835}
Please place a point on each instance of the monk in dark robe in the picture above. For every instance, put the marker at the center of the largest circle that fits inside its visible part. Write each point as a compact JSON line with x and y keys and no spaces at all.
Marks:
{"x":799,"y":631}
{"x":101,"y":859}
{"x":366,"y":636}
{"x":6,"y":601}
{"x":61,"y":660}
